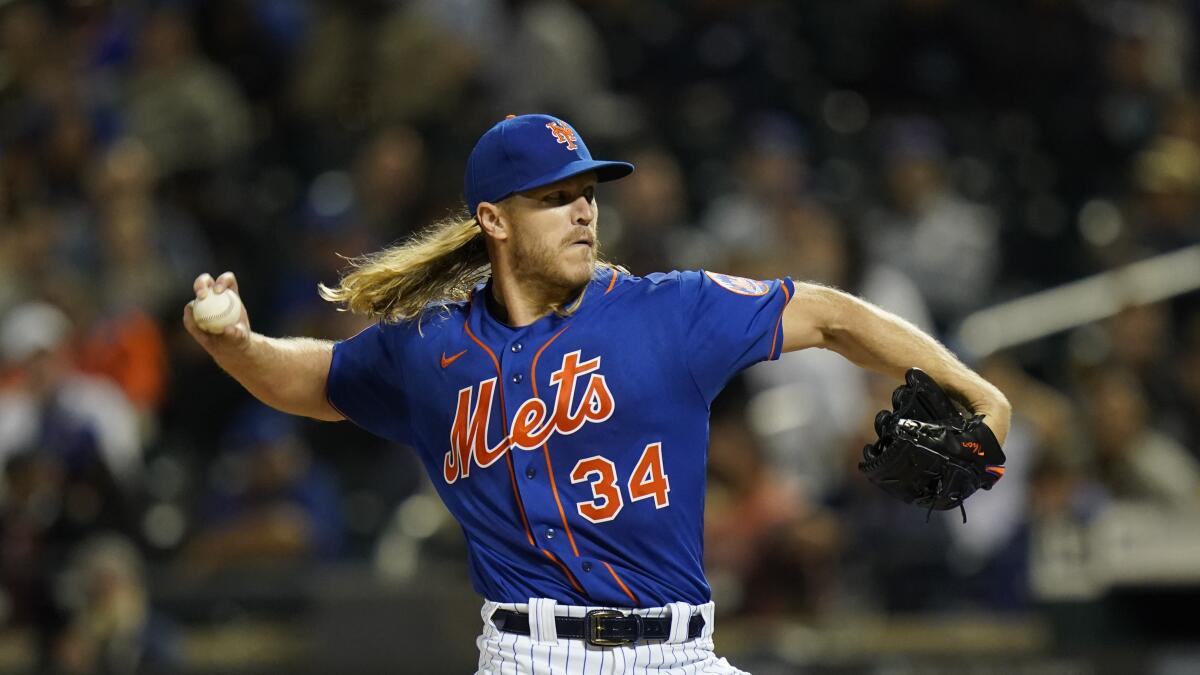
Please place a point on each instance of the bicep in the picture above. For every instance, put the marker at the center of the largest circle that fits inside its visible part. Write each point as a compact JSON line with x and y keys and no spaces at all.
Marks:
{"x":808,"y":316}
{"x":304,"y":367}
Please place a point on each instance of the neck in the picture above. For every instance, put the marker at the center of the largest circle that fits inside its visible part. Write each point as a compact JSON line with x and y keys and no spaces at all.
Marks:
{"x":521,"y":302}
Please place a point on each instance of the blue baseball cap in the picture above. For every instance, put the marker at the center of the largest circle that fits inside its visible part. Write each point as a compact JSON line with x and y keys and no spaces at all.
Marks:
{"x":524,"y":152}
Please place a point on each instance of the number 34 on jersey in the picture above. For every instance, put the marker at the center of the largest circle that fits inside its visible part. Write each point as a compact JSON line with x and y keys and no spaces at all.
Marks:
{"x":646,"y":482}
{"x":534,"y":423}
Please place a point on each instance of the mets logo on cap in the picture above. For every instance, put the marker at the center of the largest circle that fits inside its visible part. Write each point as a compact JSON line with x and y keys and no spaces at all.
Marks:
{"x":563,"y":133}
{"x":739,"y":285}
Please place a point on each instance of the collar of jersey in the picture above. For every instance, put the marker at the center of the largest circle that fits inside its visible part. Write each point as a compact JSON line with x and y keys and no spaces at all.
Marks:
{"x":494,"y":331}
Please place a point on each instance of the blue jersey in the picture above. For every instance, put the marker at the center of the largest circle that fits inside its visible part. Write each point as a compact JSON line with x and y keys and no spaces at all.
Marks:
{"x":571,"y":451}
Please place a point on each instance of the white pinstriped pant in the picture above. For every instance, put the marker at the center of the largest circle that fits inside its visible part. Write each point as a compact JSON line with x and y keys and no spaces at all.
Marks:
{"x":542,"y":653}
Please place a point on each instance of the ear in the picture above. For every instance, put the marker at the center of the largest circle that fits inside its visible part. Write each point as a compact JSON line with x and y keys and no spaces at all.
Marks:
{"x":492,"y":220}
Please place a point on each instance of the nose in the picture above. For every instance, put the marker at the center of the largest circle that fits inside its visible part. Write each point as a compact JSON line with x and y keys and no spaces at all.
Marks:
{"x":583,"y":212}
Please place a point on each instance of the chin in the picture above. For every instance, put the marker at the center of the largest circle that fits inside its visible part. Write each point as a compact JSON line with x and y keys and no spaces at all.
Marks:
{"x":579,"y":275}
{"x":578,"y":259}
{"x":576,"y":274}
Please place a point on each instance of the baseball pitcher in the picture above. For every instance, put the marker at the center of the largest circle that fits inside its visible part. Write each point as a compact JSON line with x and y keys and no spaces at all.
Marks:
{"x":560,"y":404}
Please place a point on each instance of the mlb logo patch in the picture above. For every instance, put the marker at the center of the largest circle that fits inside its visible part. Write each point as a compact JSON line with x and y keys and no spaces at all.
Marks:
{"x":739,"y":285}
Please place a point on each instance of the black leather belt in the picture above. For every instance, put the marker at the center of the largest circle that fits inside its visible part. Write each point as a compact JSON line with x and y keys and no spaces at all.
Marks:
{"x":601,"y":627}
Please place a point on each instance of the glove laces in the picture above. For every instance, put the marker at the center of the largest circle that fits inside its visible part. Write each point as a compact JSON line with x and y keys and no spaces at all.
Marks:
{"x":941,"y":488}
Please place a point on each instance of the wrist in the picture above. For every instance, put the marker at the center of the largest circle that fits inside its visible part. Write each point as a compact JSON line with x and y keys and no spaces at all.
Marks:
{"x":230,"y":354}
{"x":998,"y":416}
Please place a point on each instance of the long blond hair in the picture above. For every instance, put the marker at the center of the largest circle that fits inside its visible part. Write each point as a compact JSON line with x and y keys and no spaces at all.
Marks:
{"x":438,"y":265}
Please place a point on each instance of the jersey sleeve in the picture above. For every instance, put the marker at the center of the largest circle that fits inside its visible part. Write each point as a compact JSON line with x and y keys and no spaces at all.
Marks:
{"x":730,"y":323}
{"x":366,"y":382}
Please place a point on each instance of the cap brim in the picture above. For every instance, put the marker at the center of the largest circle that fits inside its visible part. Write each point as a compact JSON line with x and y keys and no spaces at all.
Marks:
{"x":605,"y":171}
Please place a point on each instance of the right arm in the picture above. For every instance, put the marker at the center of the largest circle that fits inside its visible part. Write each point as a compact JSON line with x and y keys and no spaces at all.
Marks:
{"x":288,"y":374}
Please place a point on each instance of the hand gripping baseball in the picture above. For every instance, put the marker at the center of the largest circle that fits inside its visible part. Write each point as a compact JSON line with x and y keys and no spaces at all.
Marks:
{"x":929,"y":452}
{"x":216,"y":318}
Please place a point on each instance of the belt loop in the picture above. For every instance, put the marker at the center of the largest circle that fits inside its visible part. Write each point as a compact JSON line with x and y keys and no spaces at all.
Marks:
{"x":681,"y":615}
{"x":707,"y":611}
{"x":542,"y":629}
{"x":489,"y":608}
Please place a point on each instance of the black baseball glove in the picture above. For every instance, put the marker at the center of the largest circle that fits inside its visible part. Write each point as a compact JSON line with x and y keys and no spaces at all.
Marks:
{"x":930,"y":453}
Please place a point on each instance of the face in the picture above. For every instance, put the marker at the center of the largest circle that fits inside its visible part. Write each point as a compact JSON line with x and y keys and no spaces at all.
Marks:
{"x":551,"y":232}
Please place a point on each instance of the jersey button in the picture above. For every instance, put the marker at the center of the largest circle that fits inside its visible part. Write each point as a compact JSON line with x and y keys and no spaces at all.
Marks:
{"x":587,"y":567}
{"x":530,"y":472}
{"x":517,"y":378}
{"x":516,"y":347}
{"x":550,"y":533}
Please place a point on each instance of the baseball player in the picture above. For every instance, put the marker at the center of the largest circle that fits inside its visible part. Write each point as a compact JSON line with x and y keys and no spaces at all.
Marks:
{"x":560,"y":404}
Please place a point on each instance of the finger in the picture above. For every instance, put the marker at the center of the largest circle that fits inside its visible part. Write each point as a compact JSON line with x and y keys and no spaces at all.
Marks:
{"x":238,"y":333}
{"x":227,"y":280}
{"x":202,"y":284}
{"x":189,"y":322}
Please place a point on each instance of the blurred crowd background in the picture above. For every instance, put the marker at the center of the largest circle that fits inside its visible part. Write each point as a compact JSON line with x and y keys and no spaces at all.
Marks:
{"x":933,"y":156}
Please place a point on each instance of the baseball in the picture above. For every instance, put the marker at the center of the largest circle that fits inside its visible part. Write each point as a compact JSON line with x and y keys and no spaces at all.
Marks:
{"x":217,"y":311}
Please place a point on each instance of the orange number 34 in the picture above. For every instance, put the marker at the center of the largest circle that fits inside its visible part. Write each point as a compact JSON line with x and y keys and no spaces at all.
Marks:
{"x":647,"y":481}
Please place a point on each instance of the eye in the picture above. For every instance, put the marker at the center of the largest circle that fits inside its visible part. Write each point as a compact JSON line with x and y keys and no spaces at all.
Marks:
{"x":589,"y":193}
{"x":558,"y":197}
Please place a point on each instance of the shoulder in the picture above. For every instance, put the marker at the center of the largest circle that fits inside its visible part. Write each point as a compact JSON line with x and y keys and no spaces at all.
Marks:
{"x":389,"y":347}
{"x":436,"y":317}
{"x":720,"y":281}
{"x":620,"y":284}
{"x":693,"y":281}
{"x":439,"y":317}
{"x":651,"y":281}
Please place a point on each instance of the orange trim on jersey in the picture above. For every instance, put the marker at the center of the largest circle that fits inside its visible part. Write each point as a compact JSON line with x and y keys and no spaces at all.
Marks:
{"x":512,"y":477}
{"x":546,"y":446}
{"x":636,"y":602}
{"x":512,"y":474}
{"x":612,"y":282}
{"x":570,"y":577}
{"x":787,"y":297}
{"x":998,"y":470}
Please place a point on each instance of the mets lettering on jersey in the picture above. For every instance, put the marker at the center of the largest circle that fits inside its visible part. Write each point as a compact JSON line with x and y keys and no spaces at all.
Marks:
{"x":532,"y":426}
{"x":572,"y":451}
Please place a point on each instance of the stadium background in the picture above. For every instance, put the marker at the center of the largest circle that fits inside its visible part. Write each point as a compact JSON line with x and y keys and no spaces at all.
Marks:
{"x":935,"y":156}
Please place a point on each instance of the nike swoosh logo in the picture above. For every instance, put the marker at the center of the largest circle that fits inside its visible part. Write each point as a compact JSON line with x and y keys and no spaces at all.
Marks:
{"x":452,"y":359}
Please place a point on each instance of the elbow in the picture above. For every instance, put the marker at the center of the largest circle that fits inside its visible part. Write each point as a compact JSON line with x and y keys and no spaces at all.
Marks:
{"x":998,"y":412}
{"x":1002,"y":423}
{"x":996,"y":402}
{"x":1004,"y":407}
{"x":815,"y":318}
{"x":834,"y":339}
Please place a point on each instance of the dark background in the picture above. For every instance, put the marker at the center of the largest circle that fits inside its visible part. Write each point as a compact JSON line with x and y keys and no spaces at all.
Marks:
{"x":933,"y":156}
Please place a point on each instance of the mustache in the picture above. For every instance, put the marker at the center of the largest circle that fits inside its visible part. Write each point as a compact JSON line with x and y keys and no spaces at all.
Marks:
{"x":588,"y":237}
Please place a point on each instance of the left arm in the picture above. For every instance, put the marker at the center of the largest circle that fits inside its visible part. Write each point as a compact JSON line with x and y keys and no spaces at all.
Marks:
{"x":869,"y":337}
